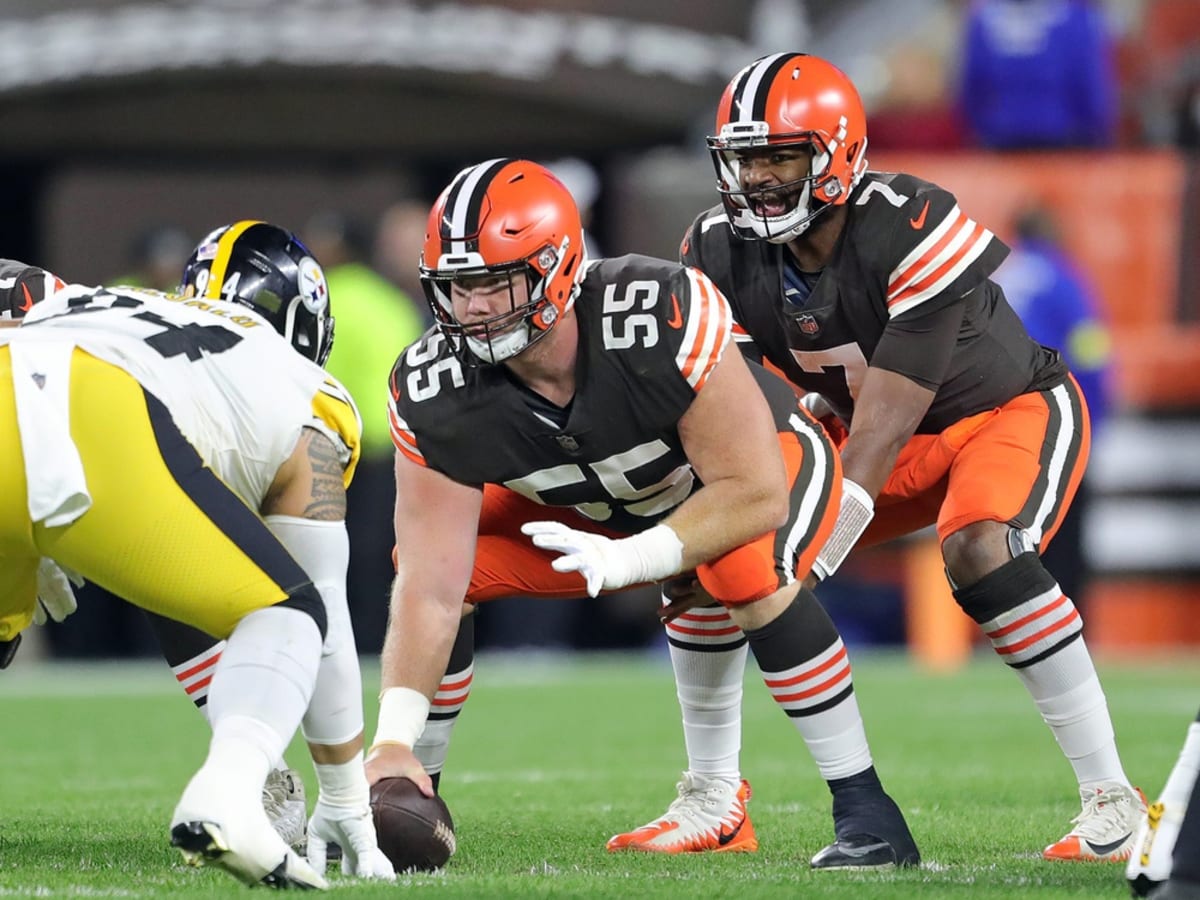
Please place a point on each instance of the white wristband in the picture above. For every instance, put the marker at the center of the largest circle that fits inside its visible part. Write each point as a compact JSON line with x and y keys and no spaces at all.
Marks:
{"x":857,"y":510}
{"x":402,"y":715}
{"x":654,"y":554}
{"x":344,"y":784}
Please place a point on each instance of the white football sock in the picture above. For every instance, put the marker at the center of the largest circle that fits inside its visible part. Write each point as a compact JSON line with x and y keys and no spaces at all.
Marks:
{"x":261,"y":688}
{"x":1068,"y":694}
{"x":709,"y":687}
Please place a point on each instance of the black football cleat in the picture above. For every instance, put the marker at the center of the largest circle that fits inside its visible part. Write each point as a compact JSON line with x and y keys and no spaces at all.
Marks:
{"x":870,"y":831}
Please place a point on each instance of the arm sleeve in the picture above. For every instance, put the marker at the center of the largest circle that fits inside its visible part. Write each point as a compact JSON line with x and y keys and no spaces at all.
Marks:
{"x":322,"y":548}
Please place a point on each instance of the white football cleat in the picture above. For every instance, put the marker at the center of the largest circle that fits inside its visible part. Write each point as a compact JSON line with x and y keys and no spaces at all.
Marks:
{"x":212,"y":827}
{"x":709,"y":815}
{"x":1150,"y":864}
{"x":283,"y":800}
{"x":1104,"y":829}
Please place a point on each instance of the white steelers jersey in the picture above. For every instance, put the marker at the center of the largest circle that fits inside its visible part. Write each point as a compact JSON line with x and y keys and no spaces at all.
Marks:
{"x":235,"y":388}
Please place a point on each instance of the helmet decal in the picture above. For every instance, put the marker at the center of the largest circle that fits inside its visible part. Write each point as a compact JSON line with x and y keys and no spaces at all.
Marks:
{"x":314,"y":292}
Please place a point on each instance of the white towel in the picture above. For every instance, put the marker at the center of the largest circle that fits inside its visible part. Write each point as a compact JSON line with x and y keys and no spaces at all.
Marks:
{"x":58,"y":493}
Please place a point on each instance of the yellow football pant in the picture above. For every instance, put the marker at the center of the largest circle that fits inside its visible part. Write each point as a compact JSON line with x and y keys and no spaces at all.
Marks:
{"x":164,"y":531}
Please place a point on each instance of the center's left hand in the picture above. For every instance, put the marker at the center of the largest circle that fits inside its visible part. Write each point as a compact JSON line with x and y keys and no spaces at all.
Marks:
{"x":591,"y":555}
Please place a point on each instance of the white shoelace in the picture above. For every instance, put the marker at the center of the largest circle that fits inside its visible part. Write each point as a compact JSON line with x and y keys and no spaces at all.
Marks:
{"x":1107,"y":813}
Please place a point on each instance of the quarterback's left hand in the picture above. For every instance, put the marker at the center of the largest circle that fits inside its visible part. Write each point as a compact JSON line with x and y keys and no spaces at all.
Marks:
{"x":591,"y":555}
{"x":55,"y":598}
{"x":353,"y":830}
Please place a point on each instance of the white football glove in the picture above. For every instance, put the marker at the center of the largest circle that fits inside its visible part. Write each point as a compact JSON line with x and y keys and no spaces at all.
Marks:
{"x":343,"y":816}
{"x":56,"y":599}
{"x":353,"y":831}
{"x":608,"y":564}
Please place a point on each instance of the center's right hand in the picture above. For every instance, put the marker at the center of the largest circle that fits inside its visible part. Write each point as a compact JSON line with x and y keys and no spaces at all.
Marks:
{"x":681,"y":593}
{"x":397,"y":761}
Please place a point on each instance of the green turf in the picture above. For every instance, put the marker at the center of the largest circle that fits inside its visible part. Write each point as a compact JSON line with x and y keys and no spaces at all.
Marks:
{"x":550,"y":758}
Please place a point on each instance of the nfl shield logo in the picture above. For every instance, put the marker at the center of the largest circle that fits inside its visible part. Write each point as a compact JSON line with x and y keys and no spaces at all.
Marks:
{"x":567,"y":442}
{"x":808,"y":324}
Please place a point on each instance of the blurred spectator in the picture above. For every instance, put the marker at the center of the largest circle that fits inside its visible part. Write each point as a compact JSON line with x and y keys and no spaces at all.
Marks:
{"x":915,"y":111}
{"x":1038,"y":74}
{"x":1060,"y":310}
{"x":156,"y":258}
{"x":399,"y":237}
{"x":374,"y":322}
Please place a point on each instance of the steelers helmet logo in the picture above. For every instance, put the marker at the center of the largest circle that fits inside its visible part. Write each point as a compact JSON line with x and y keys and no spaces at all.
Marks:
{"x":314,"y":292}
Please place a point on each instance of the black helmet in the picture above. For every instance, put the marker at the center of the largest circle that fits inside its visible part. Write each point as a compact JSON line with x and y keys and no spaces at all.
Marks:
{"x":268,"y":269}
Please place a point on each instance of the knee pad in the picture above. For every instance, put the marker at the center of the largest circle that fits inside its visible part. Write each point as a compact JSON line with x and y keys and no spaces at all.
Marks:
{"x":1006,"y":588}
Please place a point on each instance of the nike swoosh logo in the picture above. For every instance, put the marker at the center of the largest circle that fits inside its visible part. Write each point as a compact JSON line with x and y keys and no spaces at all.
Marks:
{"x":1105,"y":849}
{"x":857,"y":852}
{"x":919,"y":222}
{"x":28,"y":299}
{"x":676,"y":320}
{"x":726,"y":836}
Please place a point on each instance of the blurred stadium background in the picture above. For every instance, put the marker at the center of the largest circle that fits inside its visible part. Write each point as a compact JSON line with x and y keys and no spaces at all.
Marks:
{"x":132,"y":128}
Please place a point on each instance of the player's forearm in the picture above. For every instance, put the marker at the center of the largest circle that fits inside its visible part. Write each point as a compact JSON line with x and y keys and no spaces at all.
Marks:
{"x":868,"y":457}
{"x":416,"y":650}
{"x":724,"y":514}
{"x":887,"y":413}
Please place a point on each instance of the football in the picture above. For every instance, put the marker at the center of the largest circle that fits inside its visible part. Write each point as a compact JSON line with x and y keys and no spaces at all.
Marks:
{"x":415,"y":832}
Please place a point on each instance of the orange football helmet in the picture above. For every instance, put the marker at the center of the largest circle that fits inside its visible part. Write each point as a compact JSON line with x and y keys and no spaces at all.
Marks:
{"x":789,"y":99}
{"x":511,"y":218}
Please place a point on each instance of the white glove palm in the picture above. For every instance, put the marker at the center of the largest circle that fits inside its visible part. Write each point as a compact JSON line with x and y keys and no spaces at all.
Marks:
{"x":56,"y":599}
{"x":353,"y":830}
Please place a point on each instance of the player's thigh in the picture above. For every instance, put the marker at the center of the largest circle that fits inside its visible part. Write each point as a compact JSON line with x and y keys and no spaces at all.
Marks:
{"x":1023,"y":467}
{"x":765,"y":565}
{"x":507,"y":564}
{"x":18,"y":554}
{"x":164,"y":532}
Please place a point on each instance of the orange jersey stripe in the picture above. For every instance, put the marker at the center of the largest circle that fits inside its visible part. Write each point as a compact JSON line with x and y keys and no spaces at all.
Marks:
{"x":950,"y":230}
{"x":976,"y":234}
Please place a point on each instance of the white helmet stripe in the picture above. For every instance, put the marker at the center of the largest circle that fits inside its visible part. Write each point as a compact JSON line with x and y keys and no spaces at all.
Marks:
{"x":461,"y":216}
{"x":748,"y":105}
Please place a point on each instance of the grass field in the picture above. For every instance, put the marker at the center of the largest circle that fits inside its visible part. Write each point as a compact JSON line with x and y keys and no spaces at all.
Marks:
{"x":551,"y":757}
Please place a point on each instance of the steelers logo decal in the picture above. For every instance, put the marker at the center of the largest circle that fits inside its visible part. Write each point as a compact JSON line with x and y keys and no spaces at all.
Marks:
{"x":314,"y":292}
